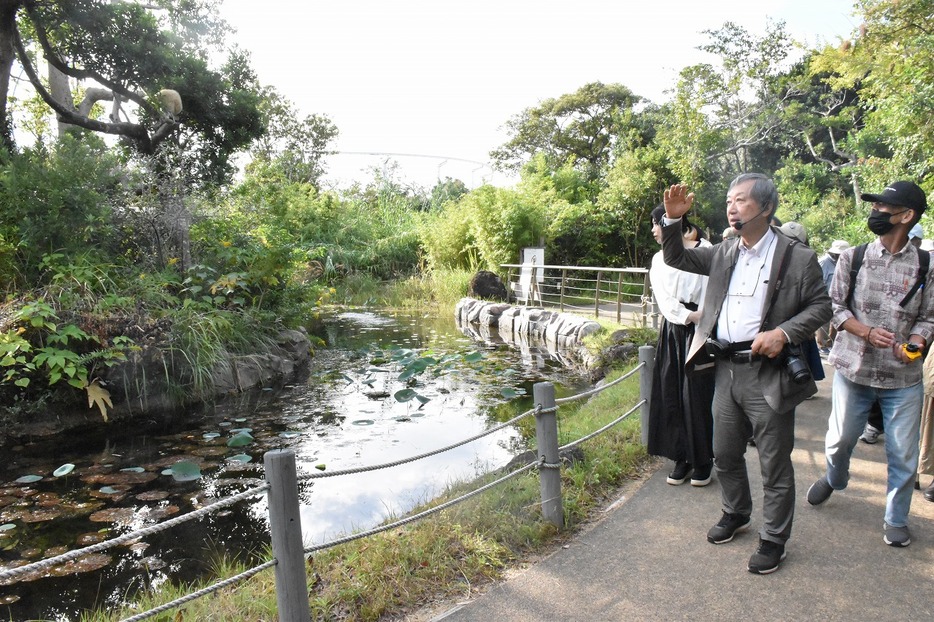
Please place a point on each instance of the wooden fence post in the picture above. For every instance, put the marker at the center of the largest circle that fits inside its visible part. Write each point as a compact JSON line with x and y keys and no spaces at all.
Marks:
{"x":647,"y":356}
{"x":546,"y":433}
{"x":285,"y":526}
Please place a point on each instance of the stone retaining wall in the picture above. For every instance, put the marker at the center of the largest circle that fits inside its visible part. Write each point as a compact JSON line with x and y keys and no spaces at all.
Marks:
{"x":562,"y":333}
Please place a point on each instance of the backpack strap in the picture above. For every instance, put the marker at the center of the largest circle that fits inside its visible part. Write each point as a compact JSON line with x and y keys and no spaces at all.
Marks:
{"x":924,"y":262}
{"x":858,"y":253}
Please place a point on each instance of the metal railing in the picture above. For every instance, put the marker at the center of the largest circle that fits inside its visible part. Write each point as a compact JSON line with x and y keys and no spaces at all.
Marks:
{"x":281,"y":489}
{"x":623,"y":293}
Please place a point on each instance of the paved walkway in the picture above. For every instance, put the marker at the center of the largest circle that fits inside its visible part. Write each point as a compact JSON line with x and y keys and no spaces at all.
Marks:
{"x":648,"y":557}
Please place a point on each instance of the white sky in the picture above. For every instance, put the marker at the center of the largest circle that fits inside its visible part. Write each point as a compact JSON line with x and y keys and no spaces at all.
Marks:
{"x":441,"y":77}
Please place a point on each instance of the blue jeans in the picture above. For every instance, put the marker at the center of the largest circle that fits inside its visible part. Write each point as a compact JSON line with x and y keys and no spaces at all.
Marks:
{"x":901,"y":416}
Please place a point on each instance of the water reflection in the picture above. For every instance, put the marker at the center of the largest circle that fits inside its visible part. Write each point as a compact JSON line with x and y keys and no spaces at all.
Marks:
{"x":341,"y":415}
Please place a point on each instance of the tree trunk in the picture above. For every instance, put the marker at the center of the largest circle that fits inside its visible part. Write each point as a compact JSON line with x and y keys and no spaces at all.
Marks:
{"x":8,"y":10}
{"x":60,"y":90}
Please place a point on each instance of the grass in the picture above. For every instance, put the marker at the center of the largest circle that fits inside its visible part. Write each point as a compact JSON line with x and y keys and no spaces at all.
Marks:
{"x":445,"y":555}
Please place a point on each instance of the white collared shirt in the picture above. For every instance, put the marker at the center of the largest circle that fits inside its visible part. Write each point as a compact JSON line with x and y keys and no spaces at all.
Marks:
{"x":741,"y":314}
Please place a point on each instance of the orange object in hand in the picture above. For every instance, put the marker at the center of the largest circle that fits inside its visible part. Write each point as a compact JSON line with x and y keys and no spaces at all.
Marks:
{"x":911,"y":350}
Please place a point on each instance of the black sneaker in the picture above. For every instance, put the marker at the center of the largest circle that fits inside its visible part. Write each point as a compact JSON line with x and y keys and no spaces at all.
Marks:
{"x":701,"y":475}
{"x":819,"y":491}
{"x":727,"y":527}
{"x":767,"y":557}
{"x":680,"y":474}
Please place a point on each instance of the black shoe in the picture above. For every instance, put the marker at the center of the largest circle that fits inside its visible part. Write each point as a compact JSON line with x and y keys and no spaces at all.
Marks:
{"x":727,"y":527}
{"x":701,"y":475}
{"x":819,"y":491}
{"x":767,"y":557}
{"x":929,"y":492}
{"x":681,"y":472}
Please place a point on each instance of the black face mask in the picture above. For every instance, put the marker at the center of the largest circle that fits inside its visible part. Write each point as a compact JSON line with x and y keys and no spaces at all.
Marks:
{"x":880,"y":222}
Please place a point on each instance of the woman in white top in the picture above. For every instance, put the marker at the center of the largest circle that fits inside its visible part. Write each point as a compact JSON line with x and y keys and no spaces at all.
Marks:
{"x":680,"y":420}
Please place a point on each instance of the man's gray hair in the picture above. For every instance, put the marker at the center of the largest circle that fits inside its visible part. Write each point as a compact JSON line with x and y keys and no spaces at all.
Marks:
{"x":763,"y":190}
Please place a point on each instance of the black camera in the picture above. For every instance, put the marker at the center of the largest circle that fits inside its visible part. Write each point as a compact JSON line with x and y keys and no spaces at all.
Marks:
{"x":717,"y":349}
{"x":796,"y":366}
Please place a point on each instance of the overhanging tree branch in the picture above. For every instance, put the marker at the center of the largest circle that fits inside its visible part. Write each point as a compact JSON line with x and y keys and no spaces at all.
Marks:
{"x":134,"y":131}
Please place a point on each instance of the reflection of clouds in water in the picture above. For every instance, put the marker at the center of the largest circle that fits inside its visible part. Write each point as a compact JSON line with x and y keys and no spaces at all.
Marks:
{"x":360,"y":501}
{"x":365,"y":318}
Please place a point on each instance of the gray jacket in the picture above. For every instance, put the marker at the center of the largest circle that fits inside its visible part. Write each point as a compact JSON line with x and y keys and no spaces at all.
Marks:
{"x":800,"y":308}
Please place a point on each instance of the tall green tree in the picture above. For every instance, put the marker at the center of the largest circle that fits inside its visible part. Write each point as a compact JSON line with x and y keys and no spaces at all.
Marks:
{"x":891,"y":61}
{"x":580,"y":127}
{"x":726,"y":117}
{"x":298,"y":146}
{"x":126,"y":52}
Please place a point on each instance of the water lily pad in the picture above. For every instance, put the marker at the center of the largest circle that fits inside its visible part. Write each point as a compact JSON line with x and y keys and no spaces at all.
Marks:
{"x":473,"y":357}
{"x":402,"y":418}
{"x":241,"y":458}
{"x":63,"y":470}
{"x":7,"y":527}
{"x":133,"y":470}
{"x":153,"y":495}
{"x":508,"y":393}
{"x":240,"y":419}
{"x":241,"y":431}
{"x":422,"y":399}
{"x":210,"y":435}
{"x":363,"y":422}
{"x":405,"y":395}
{"x":28,"y":479}
{"x":113,"y":515}
{"x":289,"y":434}
{"x":126,"y":478}
{"x":184,"y":471}
{"x":87,"y":563}
{"x":241,"y":439}
{"x":110,"y":490}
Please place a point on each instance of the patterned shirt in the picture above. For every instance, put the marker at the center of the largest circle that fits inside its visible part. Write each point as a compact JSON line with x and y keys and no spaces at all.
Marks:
{"x":881,"y":283}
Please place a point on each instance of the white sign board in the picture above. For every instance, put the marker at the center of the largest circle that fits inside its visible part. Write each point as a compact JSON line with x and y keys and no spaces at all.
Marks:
{"x":529,"y":257}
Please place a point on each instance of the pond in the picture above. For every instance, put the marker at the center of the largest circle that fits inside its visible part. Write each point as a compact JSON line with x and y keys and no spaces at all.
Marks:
{"x":384,"y":387}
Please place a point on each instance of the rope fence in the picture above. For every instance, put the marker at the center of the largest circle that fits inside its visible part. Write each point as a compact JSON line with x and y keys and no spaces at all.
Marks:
{"x":281,"y":490}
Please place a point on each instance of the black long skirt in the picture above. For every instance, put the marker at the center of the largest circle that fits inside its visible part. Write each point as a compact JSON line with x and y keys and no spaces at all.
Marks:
{"x":680,"y":419}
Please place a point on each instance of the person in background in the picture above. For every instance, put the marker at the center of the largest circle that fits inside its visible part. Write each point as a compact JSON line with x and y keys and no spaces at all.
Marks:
{"x":926,"y":445}
{"x":680,"y":423}
{"x":916,"y":235}
{"x":728,"y":233}
{"x":828,"y":264}
{"x":883,"y":328}
{"x":795,"y":230}
{"x":764,"y":297}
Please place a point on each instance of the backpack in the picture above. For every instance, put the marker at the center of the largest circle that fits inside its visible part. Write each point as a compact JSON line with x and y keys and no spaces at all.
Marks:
{"x":924,"y":262}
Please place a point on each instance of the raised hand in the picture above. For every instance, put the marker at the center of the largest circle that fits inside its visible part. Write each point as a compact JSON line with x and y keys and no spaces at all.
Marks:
{"x":678,"y":201}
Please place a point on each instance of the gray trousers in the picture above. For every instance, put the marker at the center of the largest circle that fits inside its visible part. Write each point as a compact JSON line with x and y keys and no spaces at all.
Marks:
{"x":740,"y":412}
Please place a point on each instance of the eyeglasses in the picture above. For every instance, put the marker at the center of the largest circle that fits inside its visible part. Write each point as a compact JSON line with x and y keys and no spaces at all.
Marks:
{"x":877,"y":205}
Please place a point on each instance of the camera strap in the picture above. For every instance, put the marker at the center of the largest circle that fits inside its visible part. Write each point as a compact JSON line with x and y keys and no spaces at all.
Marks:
{"x":782,"y":269}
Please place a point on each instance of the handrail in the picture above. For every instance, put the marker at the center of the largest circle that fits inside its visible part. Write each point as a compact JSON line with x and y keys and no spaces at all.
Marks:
{"x":615,"y":292}
{"x":581,"y":268}
{"x":541,"y":411}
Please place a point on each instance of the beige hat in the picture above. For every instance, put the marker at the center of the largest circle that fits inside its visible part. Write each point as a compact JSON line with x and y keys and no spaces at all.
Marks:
{"x":838,"y":246}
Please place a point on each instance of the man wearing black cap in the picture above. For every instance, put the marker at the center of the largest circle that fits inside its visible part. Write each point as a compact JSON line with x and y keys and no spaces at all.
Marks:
{"x":885,"y":319}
